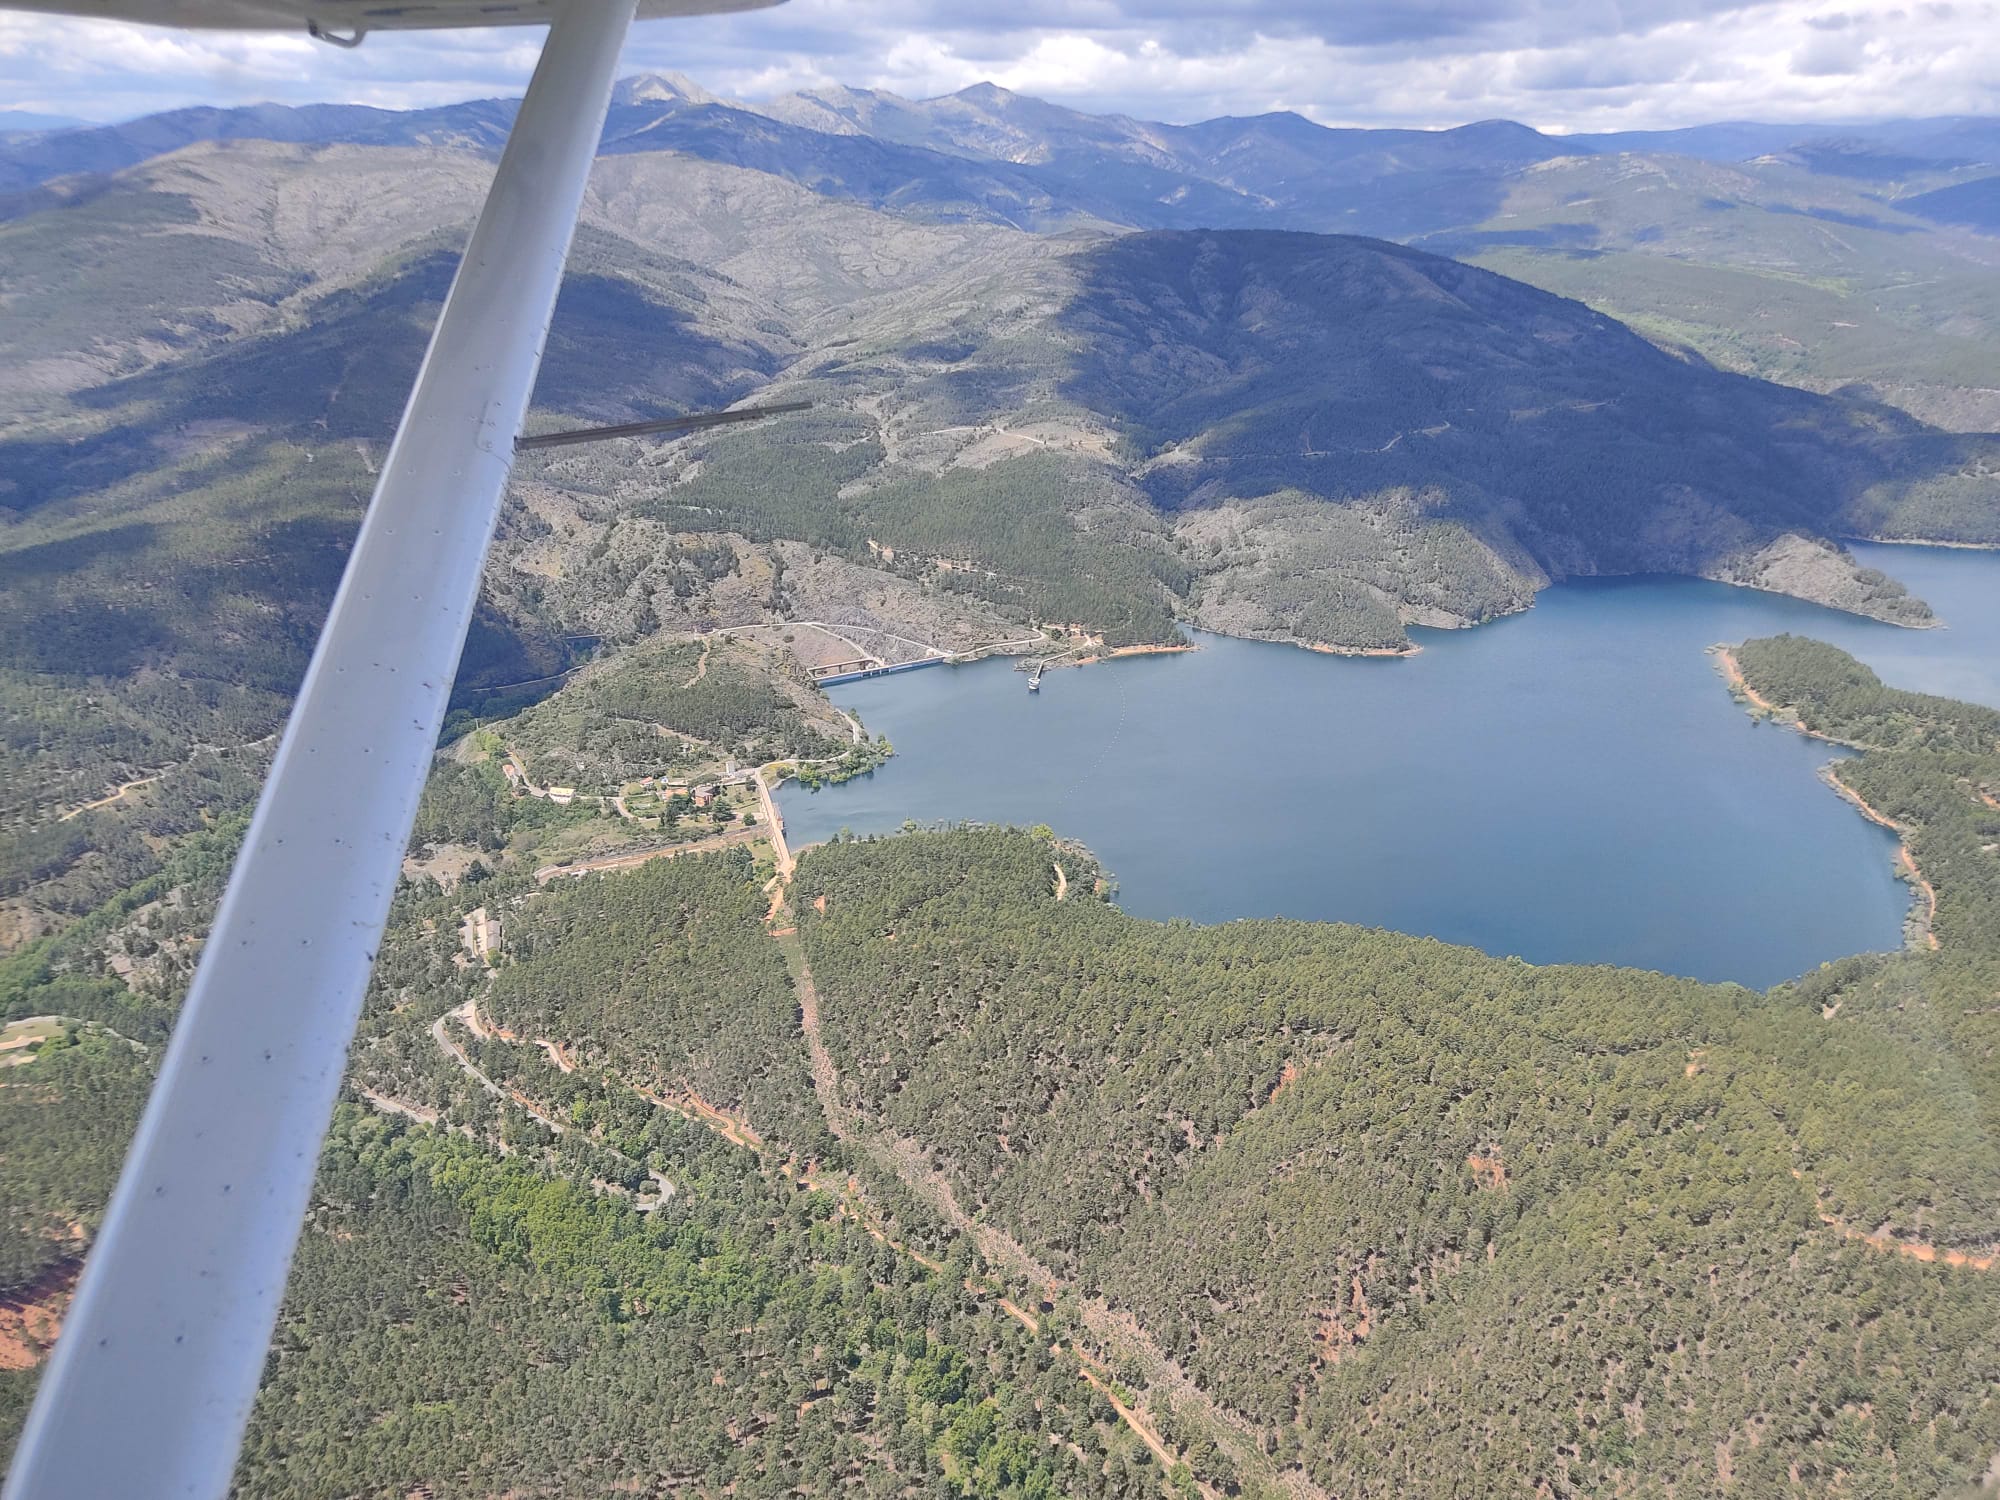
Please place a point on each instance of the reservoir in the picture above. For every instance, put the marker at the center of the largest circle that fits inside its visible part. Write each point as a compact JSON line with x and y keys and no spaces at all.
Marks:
{"x":1571,"y":784}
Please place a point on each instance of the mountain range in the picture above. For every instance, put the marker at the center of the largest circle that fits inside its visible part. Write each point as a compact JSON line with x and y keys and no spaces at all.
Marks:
{"x":1276,"y":170}
{"x":1809,"y":240}
{"x":1244,"y":416}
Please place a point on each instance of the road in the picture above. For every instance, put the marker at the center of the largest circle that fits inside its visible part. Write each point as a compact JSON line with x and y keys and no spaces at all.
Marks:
{"x":148,"y":779}
{"x":441,"y":1034}
{"x":700,"y":667}
{"x":774,"y":825}
{"x":632,"y":859}
{"x":906,"y":1159}
{"x":770,"y":824}
{"x":468,"y":1016}
{"x":422,"y":1114}
{"x":126,"y":790}
{"x":1111,"y":1328}
{"x":520,"y":775}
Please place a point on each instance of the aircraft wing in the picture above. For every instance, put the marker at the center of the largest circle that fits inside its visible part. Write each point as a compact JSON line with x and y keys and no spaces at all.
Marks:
{"x":352,"y":16}
{"x":151,"y":1383}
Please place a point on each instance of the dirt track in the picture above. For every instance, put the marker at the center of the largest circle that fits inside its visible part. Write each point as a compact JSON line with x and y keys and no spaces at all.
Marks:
{"x":909,"y":1162}
{"x":635,"y":858}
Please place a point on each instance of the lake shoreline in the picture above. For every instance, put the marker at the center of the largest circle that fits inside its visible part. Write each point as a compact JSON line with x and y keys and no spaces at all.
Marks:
{"x":1323,"y":648}
{"x":1160,"y":649}
{"x":1917,"y":541}
{"x":1320,"y":648}
{"x":1732,"y":674}
{"x":1412,"y":649}
{"x":1402,"y":796}
{"x":1918,"y":929}
{"x":1163,"y":648}
{"x":1933,"y":623}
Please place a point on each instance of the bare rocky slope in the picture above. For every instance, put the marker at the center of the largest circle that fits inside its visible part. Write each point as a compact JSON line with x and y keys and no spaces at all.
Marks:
{"x":1306,"y":437}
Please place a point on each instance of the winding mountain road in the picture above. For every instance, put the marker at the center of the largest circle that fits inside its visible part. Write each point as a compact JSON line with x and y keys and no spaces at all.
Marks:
{"x":1111,"y":1328}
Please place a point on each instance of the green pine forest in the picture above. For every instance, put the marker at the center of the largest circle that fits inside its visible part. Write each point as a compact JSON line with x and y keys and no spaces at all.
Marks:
{"x":1314,"y":1209}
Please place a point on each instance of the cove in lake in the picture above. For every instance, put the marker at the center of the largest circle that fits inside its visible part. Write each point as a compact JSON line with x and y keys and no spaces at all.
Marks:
{"x":1572,"y":784}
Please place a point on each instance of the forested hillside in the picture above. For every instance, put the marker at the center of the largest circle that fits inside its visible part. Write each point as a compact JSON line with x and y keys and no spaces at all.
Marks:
{"x":1433,"y":1222}
{"x":1931,"y":771}
{"x":658,"y":1191}
{"x":630,"y":1295}
{"x":66,"y":1123}
{"x":543,"y":1341}
{"x":1306,"y":437}
{"x":672,"y":708}
{"x":165,"y":575}
{"x":1048,"y":537}
{"x":1838,"y":698}
{"x":205,"y":360}
{"x":699,"y":998}
{"x":1781,"y":268}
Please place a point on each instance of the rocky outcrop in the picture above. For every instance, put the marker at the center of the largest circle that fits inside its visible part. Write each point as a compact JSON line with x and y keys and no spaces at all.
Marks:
{"x":1811,"y":569}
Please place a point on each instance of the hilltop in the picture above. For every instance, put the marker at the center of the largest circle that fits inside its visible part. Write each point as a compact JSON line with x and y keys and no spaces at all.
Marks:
{"x":1317,"y":438}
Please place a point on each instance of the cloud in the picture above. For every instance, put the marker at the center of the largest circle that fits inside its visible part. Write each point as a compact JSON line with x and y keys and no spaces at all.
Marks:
{"x":1563,"y":64}
{"x":1833,"y":54}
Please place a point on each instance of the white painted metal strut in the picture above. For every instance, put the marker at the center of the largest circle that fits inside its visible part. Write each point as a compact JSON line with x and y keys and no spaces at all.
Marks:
{"x":152,"y":1381}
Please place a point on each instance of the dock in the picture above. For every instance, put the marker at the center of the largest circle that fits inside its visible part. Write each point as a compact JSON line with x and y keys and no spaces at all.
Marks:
{"x":1035,"y":666}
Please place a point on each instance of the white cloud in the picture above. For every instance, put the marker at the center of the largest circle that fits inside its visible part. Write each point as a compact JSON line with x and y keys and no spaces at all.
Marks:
{"x":1576,"y":64}
{"x":1831,"y":54}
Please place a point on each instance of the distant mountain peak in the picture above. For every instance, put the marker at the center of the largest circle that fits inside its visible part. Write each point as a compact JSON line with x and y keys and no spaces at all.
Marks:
{"x":988,"y":94}
{"x":662,"y":88}
{"x":1283,"y":120}
{"x":840,"y":93}
{"x":1499,"y":127}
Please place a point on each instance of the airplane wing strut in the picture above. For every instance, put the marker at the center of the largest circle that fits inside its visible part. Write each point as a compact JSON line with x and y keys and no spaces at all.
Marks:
{"x":150,"y":1386}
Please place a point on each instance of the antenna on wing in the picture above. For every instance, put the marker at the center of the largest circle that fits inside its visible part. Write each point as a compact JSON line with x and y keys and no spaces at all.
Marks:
{"x":333,"y":38}
{"x":666,"y":427}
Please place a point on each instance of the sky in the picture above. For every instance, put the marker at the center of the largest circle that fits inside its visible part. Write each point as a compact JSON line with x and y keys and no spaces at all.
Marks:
{"x":1554,"y":64}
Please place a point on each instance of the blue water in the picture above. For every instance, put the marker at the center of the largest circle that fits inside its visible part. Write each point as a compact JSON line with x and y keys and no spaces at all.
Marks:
{"x":1571,"y":784}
